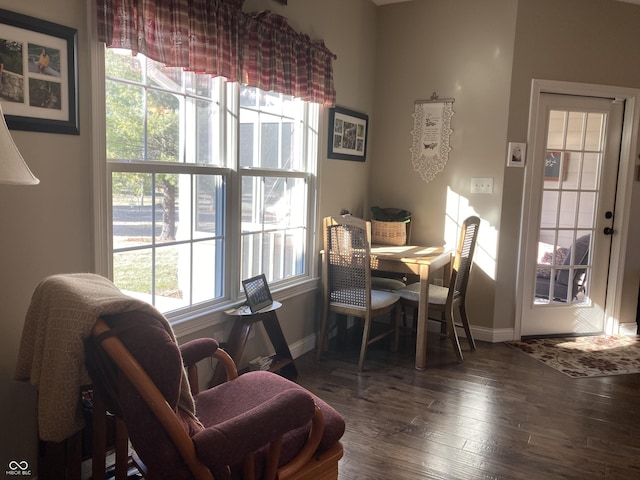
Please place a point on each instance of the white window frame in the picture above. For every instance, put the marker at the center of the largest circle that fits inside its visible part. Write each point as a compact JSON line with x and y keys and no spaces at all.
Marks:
{"x":195,"y":318}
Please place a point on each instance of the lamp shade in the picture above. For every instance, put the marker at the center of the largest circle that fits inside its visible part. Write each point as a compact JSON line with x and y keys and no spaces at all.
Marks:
{"x":13,"y":169}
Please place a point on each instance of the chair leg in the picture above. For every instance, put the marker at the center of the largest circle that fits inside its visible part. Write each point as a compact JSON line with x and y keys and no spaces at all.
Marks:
{"x":414,"y":319}
{"x":465,"y":323}
{"x":365,"y":342}
{"x":405,"y":308}
{"x":453,"y":334}
{"x":323,"y":335}
{"x":396,"y":319}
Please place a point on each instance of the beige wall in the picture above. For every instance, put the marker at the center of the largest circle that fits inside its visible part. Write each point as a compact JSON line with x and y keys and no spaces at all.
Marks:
{"x":461,"y":51}
{"x":45,"y":229}
{"x":485,"y":59}
{"x":584,"y":41}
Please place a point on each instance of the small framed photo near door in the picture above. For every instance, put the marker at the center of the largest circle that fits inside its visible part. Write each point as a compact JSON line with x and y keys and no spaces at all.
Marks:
{"x":516,"y":154}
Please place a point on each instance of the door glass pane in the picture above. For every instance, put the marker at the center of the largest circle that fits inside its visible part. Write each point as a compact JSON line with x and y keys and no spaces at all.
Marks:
{"x":590,"y":171}
{"x":593,"y":138}
{"x":568,"y":208}
{"x":581,"y":262}
{"x":575,"y":130}
{"x":569,"y":201}
{"x":585,"y":209}
{"x":571,"y":170}
{"x":549,"y":209}
{"x":557,"y":120}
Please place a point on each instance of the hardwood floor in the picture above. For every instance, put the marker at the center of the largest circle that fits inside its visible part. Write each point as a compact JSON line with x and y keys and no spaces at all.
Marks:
{"x":498,"y":415}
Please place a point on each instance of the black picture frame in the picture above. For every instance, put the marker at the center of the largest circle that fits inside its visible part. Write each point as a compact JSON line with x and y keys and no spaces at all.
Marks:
{"x":348,"y":132}
{"x":555,"y":165}
{"x":38,"y":74}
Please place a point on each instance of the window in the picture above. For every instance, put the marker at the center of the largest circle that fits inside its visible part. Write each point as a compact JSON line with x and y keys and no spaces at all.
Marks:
{"x":274,"y":185}
{"x":210,"y":182}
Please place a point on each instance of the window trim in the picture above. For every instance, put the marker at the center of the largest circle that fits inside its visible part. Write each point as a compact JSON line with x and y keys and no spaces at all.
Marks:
{"x":197,"y":317}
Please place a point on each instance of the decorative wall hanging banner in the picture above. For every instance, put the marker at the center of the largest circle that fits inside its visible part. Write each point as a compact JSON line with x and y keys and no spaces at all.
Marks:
{"x":431,"y":132}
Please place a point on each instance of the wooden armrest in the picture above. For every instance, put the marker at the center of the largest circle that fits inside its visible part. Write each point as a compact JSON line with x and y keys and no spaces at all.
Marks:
{"x":227,"y":362}
{"x":300,"y":460}
{"x":138,"y":377}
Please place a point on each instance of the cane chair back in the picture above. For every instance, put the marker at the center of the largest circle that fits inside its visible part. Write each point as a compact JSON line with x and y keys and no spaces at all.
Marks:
{"x":451,"y":300}
{"x":346,"y":273}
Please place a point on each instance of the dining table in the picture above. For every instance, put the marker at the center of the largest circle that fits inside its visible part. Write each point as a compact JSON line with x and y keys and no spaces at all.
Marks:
{"x":422,"y":261}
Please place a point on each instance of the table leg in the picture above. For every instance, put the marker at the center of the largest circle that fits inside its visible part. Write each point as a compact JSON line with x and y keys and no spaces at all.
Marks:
{"x":274,"y":331}
{"x":421,"y":324}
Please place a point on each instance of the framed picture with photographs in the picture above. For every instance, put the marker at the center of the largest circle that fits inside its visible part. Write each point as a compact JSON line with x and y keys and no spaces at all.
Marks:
{"x":347,"y":135}
{"x":38,"y":74}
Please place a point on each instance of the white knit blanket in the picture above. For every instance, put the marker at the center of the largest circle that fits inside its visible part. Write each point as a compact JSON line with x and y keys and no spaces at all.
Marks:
{"x":62,"y":312}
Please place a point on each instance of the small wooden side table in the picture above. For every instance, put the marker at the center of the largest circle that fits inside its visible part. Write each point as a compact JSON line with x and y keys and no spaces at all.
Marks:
{"x":243,"y":321}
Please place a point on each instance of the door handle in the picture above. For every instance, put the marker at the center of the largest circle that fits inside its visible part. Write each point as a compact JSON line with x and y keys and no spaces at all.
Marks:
{"x":608,"y":231}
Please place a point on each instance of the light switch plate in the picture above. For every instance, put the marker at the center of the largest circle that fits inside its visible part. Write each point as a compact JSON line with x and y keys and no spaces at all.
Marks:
{"x":482,"y":185}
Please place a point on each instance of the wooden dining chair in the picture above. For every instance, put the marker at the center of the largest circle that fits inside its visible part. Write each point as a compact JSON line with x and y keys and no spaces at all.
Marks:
{"x":346,"y":278}
{"x":451,"y":300}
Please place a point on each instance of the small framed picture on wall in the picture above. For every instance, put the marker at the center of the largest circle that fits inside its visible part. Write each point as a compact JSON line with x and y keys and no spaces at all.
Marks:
{"x":516,"y":154}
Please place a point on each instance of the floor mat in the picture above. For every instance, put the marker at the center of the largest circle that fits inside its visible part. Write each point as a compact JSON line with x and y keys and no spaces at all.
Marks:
{"x":592,"y":356}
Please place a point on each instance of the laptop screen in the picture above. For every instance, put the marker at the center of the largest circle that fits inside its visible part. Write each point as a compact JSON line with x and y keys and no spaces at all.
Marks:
{"x":257,"y":291}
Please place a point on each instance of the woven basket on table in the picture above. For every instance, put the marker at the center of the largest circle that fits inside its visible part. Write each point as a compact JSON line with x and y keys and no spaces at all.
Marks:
{"x":388,"y":233}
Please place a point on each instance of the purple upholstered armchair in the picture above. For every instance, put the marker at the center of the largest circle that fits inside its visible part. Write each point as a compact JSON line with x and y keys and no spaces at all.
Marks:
{"x":258,"y":425}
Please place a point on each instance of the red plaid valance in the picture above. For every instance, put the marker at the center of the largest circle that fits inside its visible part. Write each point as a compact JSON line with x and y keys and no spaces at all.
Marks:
{"x":216,"y":37}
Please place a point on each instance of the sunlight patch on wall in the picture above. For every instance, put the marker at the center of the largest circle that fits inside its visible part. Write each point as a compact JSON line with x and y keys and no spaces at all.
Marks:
{"x":457,"y":210}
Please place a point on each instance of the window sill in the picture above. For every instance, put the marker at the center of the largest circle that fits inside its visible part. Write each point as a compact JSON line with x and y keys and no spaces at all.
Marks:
{"x":193,"y":322}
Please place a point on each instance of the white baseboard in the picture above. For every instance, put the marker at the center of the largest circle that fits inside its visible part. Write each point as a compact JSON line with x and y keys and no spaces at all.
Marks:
{"x":493,"y":335}
{"x":483,"y":334}
{"x":628,"y":328}
{"x":303,"y":346}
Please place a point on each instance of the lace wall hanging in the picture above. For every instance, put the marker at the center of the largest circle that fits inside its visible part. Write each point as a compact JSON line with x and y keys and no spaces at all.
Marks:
{"x":431,"y":132}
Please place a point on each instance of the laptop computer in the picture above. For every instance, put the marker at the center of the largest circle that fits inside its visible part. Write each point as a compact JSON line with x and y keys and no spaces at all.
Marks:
{"x":257,"y":291}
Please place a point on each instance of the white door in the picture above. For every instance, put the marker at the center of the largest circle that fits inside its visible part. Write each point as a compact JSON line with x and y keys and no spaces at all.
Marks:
{"x":572,"y":184}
